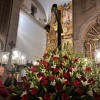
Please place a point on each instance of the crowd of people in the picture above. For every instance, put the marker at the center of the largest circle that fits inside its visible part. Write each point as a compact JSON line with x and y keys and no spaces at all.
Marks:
{"x":7,"y":85}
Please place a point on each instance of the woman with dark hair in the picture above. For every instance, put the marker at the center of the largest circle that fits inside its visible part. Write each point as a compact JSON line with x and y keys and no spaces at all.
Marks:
{"x":10,"y":80}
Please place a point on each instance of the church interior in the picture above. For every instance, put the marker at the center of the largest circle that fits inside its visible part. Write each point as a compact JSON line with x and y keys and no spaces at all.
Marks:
{"x":49,"y":49}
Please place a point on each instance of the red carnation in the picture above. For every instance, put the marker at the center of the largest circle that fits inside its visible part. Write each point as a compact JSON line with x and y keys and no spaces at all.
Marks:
{"x":82,"y":78}
{"x":34,"y":91}
{"x":19,"y":83}
{"x":55,"y":58}
{"x":77,"y":83}
{"x":67,"y":82}
{"x":33,"y":69}
{"x":45,"y":55}
{"x":39,"y":74}
{"x":91,"y":81}
{"x":97,"y":96}
{"x":88,"y":69}
{"x":58,"y":88}
{"x":27,"y":85}
{"x":67,"y":75}
{"x":47,"y":67}
{"x":61,"y":64}
{"x":71,"y":68}
{"x":64,"y":96}
{"x":25,"y":97}
{"x":56,"y":70}
{"x":52,"y":78}
{"x":79,"y":90}
{"x":45,"y":63}
{"x":65,"y":57}
{"x":43,"y":77}
{"x":3,"y":91}
{"x":44,"y":82}
{"x":47,"y":96}
{"x":75,"y":60}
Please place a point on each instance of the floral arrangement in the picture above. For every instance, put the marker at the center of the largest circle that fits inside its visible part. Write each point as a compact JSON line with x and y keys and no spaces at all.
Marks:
{"x":95,"y":74}
{"x":59,"y":75}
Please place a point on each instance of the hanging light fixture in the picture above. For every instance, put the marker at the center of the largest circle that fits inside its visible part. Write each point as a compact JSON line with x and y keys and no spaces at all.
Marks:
{"x":22,"y":59}
{"x":17,"y":57}
{"x":4,"y":56}
{"x":16,"y":54}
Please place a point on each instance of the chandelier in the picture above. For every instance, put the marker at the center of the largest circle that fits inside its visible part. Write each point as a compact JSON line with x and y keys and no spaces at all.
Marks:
{"x":4,"y":56}
{"x":17,"y":57}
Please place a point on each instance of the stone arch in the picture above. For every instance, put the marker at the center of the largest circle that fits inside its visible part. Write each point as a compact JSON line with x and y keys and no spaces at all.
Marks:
{"x":85,"y":29}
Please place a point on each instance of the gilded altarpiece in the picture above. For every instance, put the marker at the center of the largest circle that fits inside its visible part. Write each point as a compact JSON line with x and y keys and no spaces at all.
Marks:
{"x":66,"y":22}
{"x":92,"y":38}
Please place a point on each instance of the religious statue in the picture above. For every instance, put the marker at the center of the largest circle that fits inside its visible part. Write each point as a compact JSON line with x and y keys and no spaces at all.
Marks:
{"x":66,"y":24}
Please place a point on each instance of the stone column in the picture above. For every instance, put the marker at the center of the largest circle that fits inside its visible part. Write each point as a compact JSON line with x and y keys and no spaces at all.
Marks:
{"x":13,"y":25}
{"x":5,"y":12}
{"x":78,"y":46}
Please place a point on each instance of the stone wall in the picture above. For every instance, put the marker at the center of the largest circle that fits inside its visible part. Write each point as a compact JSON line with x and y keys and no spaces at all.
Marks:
{"x":9,"y":16}
{"x":84,"y":15}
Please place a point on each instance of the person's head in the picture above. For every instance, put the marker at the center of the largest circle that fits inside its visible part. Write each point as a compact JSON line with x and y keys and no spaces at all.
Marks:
{"x":10,"y":75}
{"x":1,"y":71}
{"x":47,"y":28}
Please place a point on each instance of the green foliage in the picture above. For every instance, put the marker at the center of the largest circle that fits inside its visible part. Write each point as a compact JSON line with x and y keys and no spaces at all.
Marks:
{"x":60,"y":75}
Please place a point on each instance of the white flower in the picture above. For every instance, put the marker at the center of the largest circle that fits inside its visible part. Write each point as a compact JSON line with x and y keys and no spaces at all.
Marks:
{"x":36,"y":63}
{"x":85,"y":83}
{"x":30,"y":72}
{"x":62,"y":80}
{"x":54,"y":66}
{"x":84,"y":67}
{"x":43,"y":70}
{"x":71,"y":73}
{"x":78,"y":75}
{"x":74,"y":70}
{"x":90,"y":93}
{"x":23,"y":93}
{"x":32,"y":85}
{"x":53,"y":83}
{"x":40,"y":78}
